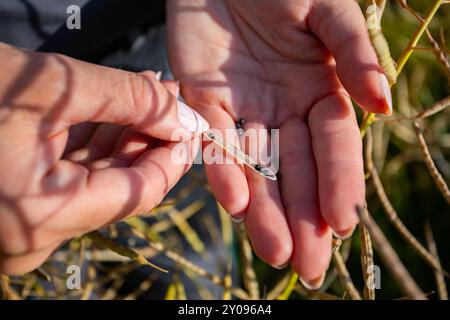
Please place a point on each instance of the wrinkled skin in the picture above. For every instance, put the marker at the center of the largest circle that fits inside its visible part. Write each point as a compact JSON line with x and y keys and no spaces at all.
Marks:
{"x":290,"y":65}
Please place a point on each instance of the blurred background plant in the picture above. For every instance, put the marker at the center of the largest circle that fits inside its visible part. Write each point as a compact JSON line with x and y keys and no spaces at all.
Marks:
{"x":188,"y":248}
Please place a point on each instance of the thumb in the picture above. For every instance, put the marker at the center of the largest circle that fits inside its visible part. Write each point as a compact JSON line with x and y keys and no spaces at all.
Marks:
{"x":138,"y":100}
{"x":342,"y":28}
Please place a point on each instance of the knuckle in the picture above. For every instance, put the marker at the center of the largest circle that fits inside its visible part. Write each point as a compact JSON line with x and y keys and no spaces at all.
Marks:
{"x":140,"y":91}
{"x":324,"y":16}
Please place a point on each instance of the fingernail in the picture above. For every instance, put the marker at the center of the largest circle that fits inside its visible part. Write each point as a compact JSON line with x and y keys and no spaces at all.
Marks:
{"x":386,"y":90}
{"x":342,"y":235}
{"x":177,"y":90}
{"x":158,"y":75}
{"x":314,"y":284}
{"x":284,"y":265}
{"x":191,"y":120}
{"x":236,"y":219}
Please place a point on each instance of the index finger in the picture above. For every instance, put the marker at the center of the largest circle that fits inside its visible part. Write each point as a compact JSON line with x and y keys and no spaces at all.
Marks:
{"x":66,"y":91}
{"x":88,"y":200}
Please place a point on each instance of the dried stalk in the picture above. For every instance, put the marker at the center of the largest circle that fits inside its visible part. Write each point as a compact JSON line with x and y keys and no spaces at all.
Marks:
{"x":368,"y":151}
{"x":143,"y":288}
{"x":41,"y":274}
{"x":279,"y":287}
{"x":202,"y":290}
{"x":185,"y":214}
{"x":440,"y":55}
{"x":190,"y":235}
{"x":171,"y":293}
{"x":160,"y":209}
{"x":417,"y":35}
{"x":27,"y":287}
{"x":90,"y":285}
{"x":390,"y":258}
{"x":434,"y":50}
{"x":333,"y":274}
{"x":140,"y":224}
{"x":344,"y":276}
{"x":406,"y":54}
{"x":227,"y":282}
{"x":381,"y":47}
{"x":378,"y":40}
{"x":100,"y":240}
{"x":226,"y":226}
{"x":286,"y":293}
{"x":6,"y":291}
{"x":248,"y":273}
{"x":285,"y":284}
{"x":315,"y":294}
{"x":185,"y":263}
{"x":435,"y":108}
{"x":437,"y":177}
{"x":112,"y":291}
{"x":439,"y":277}
{"x":181,"y":292}
{"x":159,"y":246}
{"x":388,"y":208}
{"x":399,"y":225}
{"x":367,"y":263}
{"x":410,"y":10}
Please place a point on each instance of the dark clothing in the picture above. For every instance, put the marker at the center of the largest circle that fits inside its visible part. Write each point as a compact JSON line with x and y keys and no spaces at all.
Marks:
{"x":122,"y":33}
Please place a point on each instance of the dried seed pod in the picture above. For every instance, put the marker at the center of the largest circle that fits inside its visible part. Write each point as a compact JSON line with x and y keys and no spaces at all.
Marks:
{"x":241,"y":156}
{"x":380,"y":44}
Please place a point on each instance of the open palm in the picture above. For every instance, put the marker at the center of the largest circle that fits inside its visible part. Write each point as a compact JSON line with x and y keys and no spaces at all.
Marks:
{"x":284,"y":65}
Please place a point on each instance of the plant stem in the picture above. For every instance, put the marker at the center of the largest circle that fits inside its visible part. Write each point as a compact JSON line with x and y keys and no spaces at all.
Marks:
{"x":289,"y":288}
{"x":417,"y":35}
{"x":370,"y":118}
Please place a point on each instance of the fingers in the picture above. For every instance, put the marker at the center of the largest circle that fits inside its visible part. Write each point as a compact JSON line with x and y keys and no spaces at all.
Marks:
{"x":131,"y":143}
{"x":265,"y":220}
{"x":129,"y":147}
{"x":79,"y":136}
{"x":19,"y":265}
{"x":225,"y":176}
{"x":139,"y":188}
{"x":99,"y":146}
{"x":92,"y":199}
{"x":338,"y":152}
{"x":83,"y":92}
{"x":342,"y":28}
{"x":299,"y":186}
{"x":108,"y":195}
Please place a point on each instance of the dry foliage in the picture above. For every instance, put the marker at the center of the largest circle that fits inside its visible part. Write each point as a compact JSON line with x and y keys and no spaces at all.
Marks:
{"x":207,"y":256}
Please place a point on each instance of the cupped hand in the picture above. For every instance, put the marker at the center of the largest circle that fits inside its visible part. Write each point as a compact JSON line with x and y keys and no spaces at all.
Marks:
{"x":292,"y":65}
{"x":81,"y":146}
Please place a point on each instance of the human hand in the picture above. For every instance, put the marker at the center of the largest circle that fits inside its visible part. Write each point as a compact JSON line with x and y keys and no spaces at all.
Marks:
{"x":62,"y":173}
{"x":290,"y":65}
